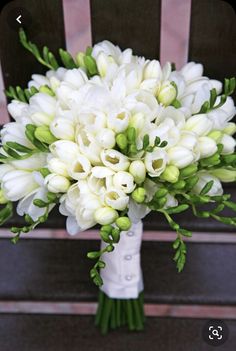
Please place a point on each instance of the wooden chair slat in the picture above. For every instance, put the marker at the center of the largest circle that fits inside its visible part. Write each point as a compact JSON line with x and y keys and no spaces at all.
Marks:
{"x":46,"y":28}
{"x":213,"y":37}
{"x":60,"y":333}
{"x":58,"y":270}
{"x":128,"y":24}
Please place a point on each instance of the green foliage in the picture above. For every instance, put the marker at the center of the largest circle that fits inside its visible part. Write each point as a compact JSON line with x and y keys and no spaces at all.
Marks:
{"x":111,"y":236}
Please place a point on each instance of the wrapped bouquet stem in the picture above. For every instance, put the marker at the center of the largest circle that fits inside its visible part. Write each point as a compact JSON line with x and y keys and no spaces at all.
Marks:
{"x":106,"y":137}
{"x":121,"y":299}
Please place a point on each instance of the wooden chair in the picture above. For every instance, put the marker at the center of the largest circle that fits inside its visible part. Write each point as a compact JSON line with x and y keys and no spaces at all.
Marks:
{"x":56,"y":270}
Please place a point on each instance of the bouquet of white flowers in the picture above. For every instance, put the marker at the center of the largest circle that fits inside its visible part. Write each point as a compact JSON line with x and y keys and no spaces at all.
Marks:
{"x":108,"y":137}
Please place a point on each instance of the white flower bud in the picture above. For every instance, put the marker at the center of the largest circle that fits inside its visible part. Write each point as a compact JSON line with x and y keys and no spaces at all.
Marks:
{"x":55,"y":165}
{"x":65,"y":150}
{"x":152,"y":70}
{"x":188,"y":140}
{"x":57,"y":183}
{"x":63,"y":128}
{"x":138,"y":171}
{"x":102,"y":64}
{"x":166,"y":94}
{"x":199,"y":124}
{"x":105,"y":215}
{"x":207,"y":146}
{"x":180,"y":156}
{"x":225,"y":175}
{"x":155,"y":162}
{"x":124,"y":181}
{"x":76,"y":77}
{"x":228,"y":144}
{"x":115,"y":160}
{"x":106,"y":138}
{"x":116,"y":198}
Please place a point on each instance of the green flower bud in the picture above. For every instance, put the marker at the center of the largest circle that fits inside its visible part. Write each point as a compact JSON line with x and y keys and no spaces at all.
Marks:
{"x":121,"y":141}
{"x":138,"y":195}
{"x":215,"y":135}
{"x":131,"y":134}
{"x":160,"y":193}
{"x":230,"y":128}
{"x":106,"y":228}
{"x":225,"y":175}
{"x":170,"y":174}
{"x":45,"y":89}
{"x":90,"y":64}
{"x":167,"y":94}
{"x":188,"y":171}
{"x":123,"y":223}
{"x":179,"y":185}
{"x":138,"y":171}
{"x":44,"y":135}
{"x":80,"y":59}
{"x":3,"y":200}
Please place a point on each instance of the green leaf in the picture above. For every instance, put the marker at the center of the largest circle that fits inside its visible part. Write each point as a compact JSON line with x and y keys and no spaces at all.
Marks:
{"x":18,"y":147}
{"x":6,"y":213}
{"x":230,"y":204}
{"x":93,"y":254}
{"x":207,"y":187}
{"x":40,"y":203}
{"x":145,"y":141}
{"x":11,"y":152}
{"x":177,"y":209}
{"x":67,"y":59}
{"x":213,"y":97}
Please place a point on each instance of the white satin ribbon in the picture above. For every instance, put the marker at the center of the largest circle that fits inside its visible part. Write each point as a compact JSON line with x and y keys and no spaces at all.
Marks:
{"x":122,"y":276}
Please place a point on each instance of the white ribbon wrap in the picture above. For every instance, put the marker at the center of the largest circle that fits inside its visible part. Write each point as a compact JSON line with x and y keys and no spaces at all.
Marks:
{"x":122,"y":276}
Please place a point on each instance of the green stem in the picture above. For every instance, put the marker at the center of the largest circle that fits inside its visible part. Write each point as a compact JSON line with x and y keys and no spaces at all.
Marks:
{"x":101,"y":298}
{"x":118,"y":313}
{"x":106,"y":314}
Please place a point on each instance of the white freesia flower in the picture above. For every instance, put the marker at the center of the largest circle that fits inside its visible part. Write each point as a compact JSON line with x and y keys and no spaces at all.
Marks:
{"x":57,"y":183}
{"x":200,"y":124}
{"x":155,"y":162}
{"x":138,"y":171}
{"x":166,"y":93}
{"x":79,"y":168}
{"x":207,"y":146}
{"x":17,"y":184}
{"x":5,"y":168}
{"x":115,"y":160}
{"x":105,"y":215}
{"x":116,"y":198}
{"x":228,"y":143}
{"x":15,"y":132}
{"x":97,"y":185}
{"x":65,"y":150}
{"x":26,"y":205}
{"x":106,"y":138}
{"x":189,"y":140}
{"x":204,"y":178}
{"x":118,"y":120}
{"x":34,"y":162}
{"x":180,"y":157}
{"x":76,"y":77}
{"x":152,"y":70}
{"x":42,"y":109}
{"x":55,"y":165}
{"x":192,"y":71}
{"x":124,"y":181}
{"x":63,"y":128}
{"x":19,"y":111}
{"x":101,"y":172}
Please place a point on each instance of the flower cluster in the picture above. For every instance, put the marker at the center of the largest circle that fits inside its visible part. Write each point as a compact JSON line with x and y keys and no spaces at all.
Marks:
{"x":112,"y":136}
